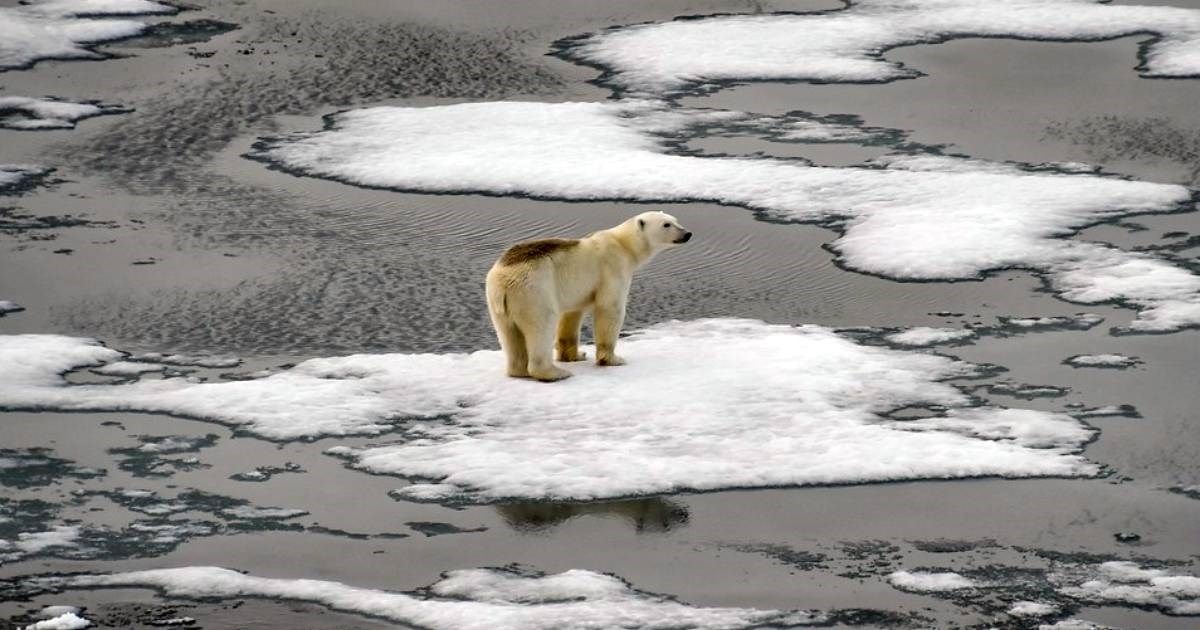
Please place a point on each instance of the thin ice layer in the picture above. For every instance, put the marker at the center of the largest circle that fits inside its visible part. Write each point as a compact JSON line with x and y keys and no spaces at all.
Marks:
{"x":909,"y":217}
{"x":847,"y":45}
{"x":702,"y":405}
{"x":483,"y":599}
{"x":53,"y":29}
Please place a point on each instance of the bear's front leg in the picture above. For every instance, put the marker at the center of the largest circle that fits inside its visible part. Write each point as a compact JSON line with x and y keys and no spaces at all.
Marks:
{"x":566,"y":348}
{"x":608,"y":327}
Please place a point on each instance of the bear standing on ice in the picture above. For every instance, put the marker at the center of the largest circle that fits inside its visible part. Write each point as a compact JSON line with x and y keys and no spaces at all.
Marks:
{"x":538,"y":292}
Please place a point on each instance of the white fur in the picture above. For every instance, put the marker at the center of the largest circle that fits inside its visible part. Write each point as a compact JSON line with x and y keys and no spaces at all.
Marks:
{"x":537,"y":304}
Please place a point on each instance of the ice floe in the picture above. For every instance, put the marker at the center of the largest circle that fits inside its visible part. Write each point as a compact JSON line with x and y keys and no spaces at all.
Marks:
{"x":16,"y":176}
{"x":1032,"y":609}
{"x":1127,"y":583}
{"x":7,"y":306}
{"x":65,"y":621}
{"x":929,"y":582}
{"x":1119,"y":361}
{"x":189,"y":360}
{"x":491,"y":599}
{"x":920,"y":217}
{"x":62,"y":29}
{"x":25,"y":113}
{"x":847,"y":45}
{"x":703,"y":405}
{"x":1080,"y":321}
{"x":128,"y":368}
{"x":928,"y":336}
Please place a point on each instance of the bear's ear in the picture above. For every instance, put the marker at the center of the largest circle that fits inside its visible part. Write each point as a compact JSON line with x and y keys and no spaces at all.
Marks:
{"x":641,"y":224}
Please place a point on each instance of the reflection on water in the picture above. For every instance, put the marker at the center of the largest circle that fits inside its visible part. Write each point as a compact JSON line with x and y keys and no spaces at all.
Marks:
{"x":645,"y":515}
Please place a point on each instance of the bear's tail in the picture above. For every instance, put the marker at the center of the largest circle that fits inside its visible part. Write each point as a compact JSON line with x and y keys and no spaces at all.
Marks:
{"x":497,"y":300}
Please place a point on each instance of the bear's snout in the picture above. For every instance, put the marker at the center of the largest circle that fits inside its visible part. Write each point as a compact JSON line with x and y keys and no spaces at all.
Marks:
{"x":687,"y":236}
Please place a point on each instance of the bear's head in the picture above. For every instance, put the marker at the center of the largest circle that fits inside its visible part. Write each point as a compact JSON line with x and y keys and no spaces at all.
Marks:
{"x":661,"y":230}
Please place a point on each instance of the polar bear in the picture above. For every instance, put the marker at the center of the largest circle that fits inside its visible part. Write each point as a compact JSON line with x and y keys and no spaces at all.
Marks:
{"x":539,"y":291}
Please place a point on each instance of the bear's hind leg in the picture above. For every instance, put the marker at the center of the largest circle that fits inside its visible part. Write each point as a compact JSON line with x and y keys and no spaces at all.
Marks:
{"x":567,"y":345}
{"x":513,"y":344}
{"x":539,"y":344}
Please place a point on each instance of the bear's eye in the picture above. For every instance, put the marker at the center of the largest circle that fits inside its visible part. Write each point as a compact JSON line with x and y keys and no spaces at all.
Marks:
{"x":667,"y":225}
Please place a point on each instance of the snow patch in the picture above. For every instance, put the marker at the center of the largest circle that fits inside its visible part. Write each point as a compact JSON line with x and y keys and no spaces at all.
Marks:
{"x":58,"y":29}
{"x":907,"y":217}
{"x":788,"y":406}
{"x":483,"y":599}
{"x":923,"y":581}
{"x":847,"y":45}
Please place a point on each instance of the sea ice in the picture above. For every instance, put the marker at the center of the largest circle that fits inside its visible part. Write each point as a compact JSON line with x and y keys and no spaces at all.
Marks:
{"x":1080,"y":321}
{"x":921,"y":217}
{"x":1102,"y":361}
{"x":128,"y":368}
{"x":786,"y":406}
{"x":1032,"y":609}
{"x":253,"y":512}
{"x":22,"y":112}
{"x":483,"y":599}
{"x":927,"y":336}
{"x":36,"y":542}
{"x":13,"y":175}
{"x":848,"y":45}
{"x":1126,"y":583}
{"x":65,"y":621}
{"x":62,"y":29}
{"x":929,"y":582}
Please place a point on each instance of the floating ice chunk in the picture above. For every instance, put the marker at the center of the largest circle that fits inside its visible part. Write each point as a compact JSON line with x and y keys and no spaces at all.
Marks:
{"x":1126,"y":583}
{"x":929,"y":582}
{"x":22,"y":112}
{"x":1081,"y":321}
{"x":927,"y":336}
{"x":7,"y":306}
{"x":789,"y":406}
{"x":54,"y":611}
{"x":58,"y":29}
{"x":1024,"y":427}
{"x":477,"y":599}
{"x":1032,"y":609}
{"x":65,"y":621}
{"x":252,"y":512}
{"x":36,"y":542}
{"x":1119,"y":361}
{"x":1109,"y":411}
{"x":13,"y":176}
{"x":128,"y":368}
{"x":908,"y":217}
{"x":189,"y":360}
{"x":847,"y":45}
{"x":1074,"y":624}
